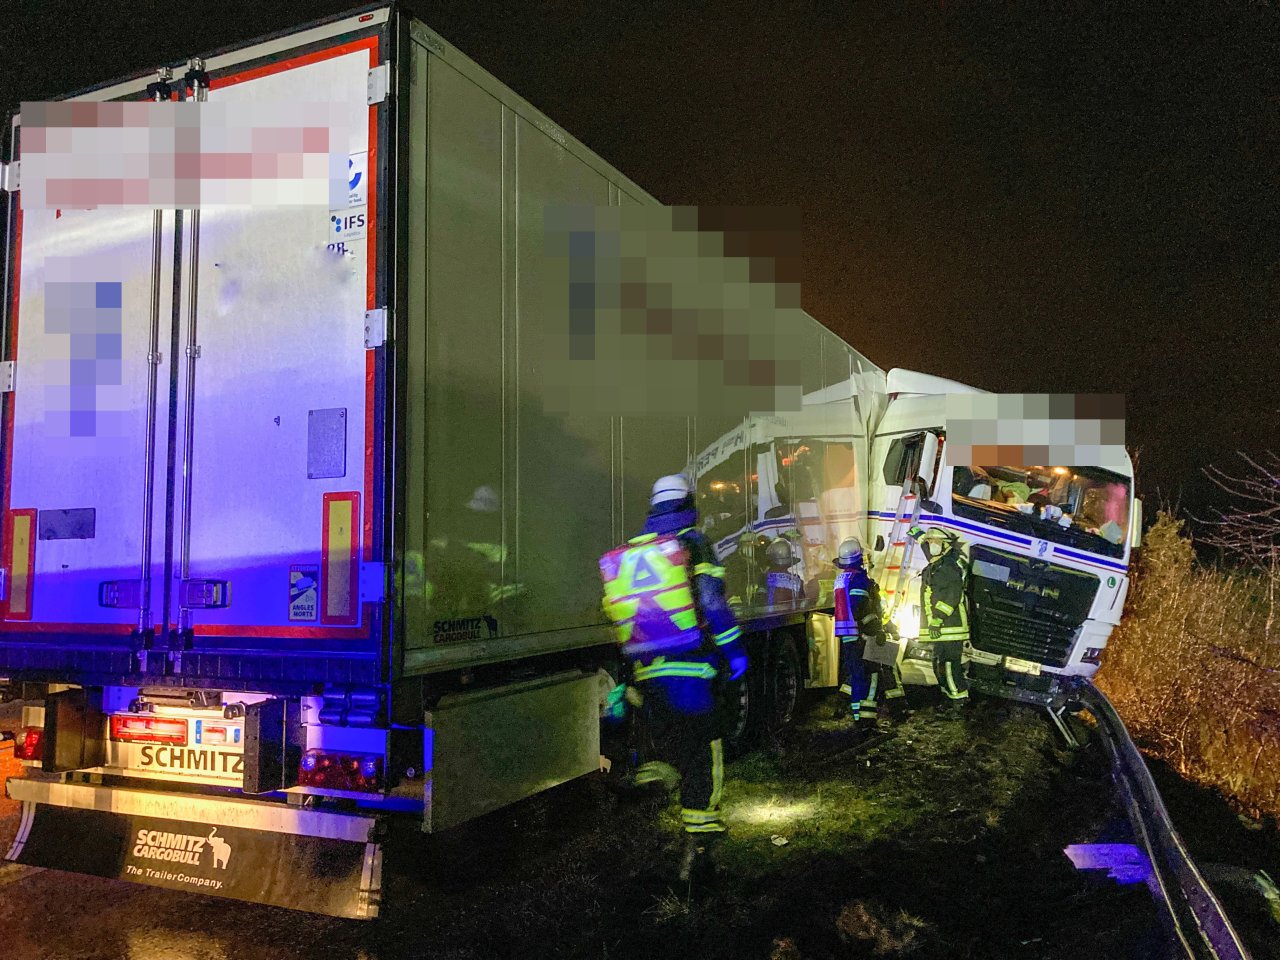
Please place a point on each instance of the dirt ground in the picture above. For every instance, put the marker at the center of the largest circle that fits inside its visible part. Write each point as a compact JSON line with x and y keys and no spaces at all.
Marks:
{"x":944,"y":840}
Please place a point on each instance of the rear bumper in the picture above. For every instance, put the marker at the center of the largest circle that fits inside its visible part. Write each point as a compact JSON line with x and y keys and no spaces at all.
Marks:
{"x":271,"y":853}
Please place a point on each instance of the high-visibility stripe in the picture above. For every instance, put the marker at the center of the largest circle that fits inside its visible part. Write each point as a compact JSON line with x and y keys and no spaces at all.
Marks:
{"x":339,"y":567}
{"x":699,"y":816}
{"x":950,"y":689}
{"x":20,"y":561}
{"x":717,"y":773}
{"x":709,"y":570}
{"x":946,"y":608}
{"x":657,"y":771}
{"x":728,"y":636}
{"x":675,"y":668}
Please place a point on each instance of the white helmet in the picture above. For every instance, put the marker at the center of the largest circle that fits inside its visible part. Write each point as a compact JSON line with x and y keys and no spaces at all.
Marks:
{"x":780,"y":552}
{"x":850,"y":554}
{"x":674,"y":487}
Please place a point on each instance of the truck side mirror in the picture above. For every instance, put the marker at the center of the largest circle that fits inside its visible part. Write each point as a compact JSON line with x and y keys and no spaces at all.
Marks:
{"x":879,"y":542}
{"x":931,"y":505}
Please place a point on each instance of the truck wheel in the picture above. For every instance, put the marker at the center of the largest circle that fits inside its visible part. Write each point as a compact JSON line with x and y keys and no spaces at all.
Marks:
{"x":783,"y":682}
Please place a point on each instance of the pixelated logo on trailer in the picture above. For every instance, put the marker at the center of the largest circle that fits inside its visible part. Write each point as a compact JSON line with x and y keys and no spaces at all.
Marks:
{"x":85,"y":156}
{"x":358,"y":179}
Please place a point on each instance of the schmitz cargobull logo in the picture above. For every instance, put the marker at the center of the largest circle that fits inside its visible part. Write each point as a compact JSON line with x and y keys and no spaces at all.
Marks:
{"x":182,"y":848}
{"x":191,"y":759}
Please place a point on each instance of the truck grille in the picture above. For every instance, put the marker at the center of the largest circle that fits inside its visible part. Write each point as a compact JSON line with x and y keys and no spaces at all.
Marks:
{"x":998,"y":631}
{"x":1027,"y":608}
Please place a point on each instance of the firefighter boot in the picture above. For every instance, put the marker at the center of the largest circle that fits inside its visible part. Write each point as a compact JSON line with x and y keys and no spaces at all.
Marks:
{"x":697,"y":865}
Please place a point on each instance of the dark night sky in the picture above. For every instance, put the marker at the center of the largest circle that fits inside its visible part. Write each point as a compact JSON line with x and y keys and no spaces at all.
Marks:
{"x":1036,"y":197}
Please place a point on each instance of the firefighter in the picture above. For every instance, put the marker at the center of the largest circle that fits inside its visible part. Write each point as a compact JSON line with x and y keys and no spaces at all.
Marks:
{"x":783,"y":588}
{"x":740,"y":569}
{"x":859,"y":621}
{"x":665,"y":594}
{"x":944,"y":615}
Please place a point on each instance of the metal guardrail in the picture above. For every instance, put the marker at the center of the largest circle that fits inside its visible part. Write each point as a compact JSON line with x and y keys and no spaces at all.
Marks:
{"x":1197,"y":924}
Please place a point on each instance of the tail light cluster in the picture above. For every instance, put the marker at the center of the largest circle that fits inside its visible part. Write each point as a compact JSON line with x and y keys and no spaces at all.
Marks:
{"x":360,"y":772}
{"x":30,"y":745}
{"x":145,"y":729}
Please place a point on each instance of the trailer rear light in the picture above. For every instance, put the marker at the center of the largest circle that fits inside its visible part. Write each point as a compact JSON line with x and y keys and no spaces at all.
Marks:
{"x":207,"y":735}
{"x":341,"y":771}
{"x":134,"y":729}
{"x":30,"y":746}
{"x":1092,"y":655}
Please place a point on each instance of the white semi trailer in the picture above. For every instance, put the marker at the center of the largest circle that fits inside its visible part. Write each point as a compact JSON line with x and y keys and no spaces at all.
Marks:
{"x":318,"y":545}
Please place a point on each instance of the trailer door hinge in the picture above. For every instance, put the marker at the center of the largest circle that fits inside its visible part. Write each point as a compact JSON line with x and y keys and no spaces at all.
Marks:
{"x":379,"y":83}
{"x":375,"y":328}
{"x":373,"y":582}
{"x":9,"y":176}
{"x":8,"y":371}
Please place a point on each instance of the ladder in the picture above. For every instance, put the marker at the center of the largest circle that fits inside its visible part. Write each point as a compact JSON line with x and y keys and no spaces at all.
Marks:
{"x":895,"y":561}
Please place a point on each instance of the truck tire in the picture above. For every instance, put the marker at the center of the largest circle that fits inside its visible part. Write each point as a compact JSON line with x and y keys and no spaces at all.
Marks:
{"x":783,"y":684}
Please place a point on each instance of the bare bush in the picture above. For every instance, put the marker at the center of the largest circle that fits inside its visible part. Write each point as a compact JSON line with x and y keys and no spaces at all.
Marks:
{"x":1190,"y":674}
{"x":1249,"y":529}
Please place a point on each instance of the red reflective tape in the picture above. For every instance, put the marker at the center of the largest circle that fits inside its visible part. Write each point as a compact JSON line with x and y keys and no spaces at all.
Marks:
{"x":339,"y":559}
{"x":44,"y":626}
{"x":371,"y":303}
{"x":20,"y":562}
{"x":232,"y":630}
{"x":11,"y":399}
{"x":267,"y":69}
{"x":370,"y":372}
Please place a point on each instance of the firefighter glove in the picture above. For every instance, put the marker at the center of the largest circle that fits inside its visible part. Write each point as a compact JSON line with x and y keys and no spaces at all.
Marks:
{"x":615,"y":704}
{"x":935,"y":631}
{"x":737,"y":666}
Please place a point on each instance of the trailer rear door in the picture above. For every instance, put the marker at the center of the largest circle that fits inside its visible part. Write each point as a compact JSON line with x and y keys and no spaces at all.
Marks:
{"x":262,"y":485}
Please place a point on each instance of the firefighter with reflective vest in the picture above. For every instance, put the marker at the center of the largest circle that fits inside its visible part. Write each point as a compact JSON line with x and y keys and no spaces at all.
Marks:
{"x":783,"y":588}
{"x":664,"y":593}
{"x":859,"y":621}
{"x":944,"y":614}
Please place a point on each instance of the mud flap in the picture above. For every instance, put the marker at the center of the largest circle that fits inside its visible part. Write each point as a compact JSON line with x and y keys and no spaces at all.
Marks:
{"x":261,"y":852}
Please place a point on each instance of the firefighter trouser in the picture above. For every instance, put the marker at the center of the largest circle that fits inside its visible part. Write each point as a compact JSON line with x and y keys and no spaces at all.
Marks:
{"x":690,"y":754}
{"x":948,"y":665}
{"x":866,"y":683}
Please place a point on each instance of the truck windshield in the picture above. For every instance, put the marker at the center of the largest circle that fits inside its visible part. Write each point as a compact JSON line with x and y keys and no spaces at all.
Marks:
{"x":1082,"y":507}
